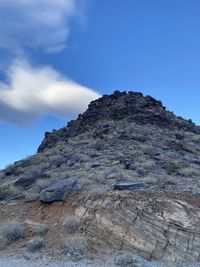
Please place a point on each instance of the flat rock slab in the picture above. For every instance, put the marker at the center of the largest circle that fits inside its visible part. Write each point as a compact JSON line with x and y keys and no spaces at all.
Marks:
{"x":131,"y":185}
{"x":25,"y":182}
{"x":60,"y":190}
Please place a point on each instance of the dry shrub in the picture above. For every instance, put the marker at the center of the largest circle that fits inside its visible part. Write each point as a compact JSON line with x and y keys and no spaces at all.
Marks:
{"x":76,"y":246}
{"x":35,"y":244}
{"x":72,"y":224}
{"x":31,"y":196}
{"x":12,"y":231}
{"x":7,"y":190}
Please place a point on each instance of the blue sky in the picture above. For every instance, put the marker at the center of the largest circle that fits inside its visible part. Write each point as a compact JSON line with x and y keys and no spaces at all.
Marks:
{"x":57,"y":56}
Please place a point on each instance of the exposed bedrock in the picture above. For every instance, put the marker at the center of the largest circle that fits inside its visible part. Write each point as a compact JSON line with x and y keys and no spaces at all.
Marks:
{"x":155,"y":228}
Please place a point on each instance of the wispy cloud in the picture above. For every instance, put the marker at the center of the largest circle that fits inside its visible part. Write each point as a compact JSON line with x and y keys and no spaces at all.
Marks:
{"x":42,"y":24}
{"x":31,"y":92}
{"x":34,"y":92}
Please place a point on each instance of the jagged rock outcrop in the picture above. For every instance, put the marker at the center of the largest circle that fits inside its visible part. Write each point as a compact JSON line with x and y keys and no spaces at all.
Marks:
{"x":132,"y":106}
{"x":138,"y":166}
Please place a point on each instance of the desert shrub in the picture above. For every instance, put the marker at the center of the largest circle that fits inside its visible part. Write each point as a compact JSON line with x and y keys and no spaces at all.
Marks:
{"x":3,"y":242}
{"x":125,"y":259}
{"x":7,"y":190}
{"x":141,"y":171}
{"x":30,"y":196}
{"x":97,"y":192}
{"x":40,"y":229}
{"x":188,"y":171}
{"x":72,"y":224}
{"x":12,"y":231}
{"x":13,"y":169}
{"x":148,"y":164}
{"x":151,"y":151}
{"x":42,"y":183}
{"x":76,"y":246}
{"x":98,"y":145}
{"x":170,"y":167}
{"x":35,"y":244}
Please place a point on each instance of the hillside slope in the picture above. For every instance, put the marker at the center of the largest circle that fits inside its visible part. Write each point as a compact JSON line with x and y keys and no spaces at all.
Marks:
{"x":122,"y":141}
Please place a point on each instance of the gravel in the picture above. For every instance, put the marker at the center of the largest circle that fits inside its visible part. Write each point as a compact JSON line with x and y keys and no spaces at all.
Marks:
{"x":15,"y":262}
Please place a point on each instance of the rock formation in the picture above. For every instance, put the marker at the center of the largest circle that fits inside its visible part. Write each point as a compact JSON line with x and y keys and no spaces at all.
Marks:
{"x":137,"y":167}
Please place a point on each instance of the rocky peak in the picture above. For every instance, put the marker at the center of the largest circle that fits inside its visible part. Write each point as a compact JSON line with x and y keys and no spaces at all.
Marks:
{"x":131,"y":106}
{"x":125,"y":174}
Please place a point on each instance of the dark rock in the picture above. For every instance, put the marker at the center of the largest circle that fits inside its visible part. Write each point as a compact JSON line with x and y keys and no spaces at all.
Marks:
{"x":95,"y":163}
{"x":59,"y":161}
{"x":25,"y":182}
{"x":69,"y":160}
{"x":41,"y":176}
{"x":60,"y":190}
{"x":133,"y":107}
{"x":130,"y":185}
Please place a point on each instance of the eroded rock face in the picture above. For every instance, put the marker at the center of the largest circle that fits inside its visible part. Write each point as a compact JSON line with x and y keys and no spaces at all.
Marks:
{"x":59,"y":191}
{"x":155,"y":227}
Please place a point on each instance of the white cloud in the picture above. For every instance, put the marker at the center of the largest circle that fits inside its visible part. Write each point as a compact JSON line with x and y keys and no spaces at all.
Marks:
{"x":42,"y":25}
{"x":36,"y":23}
{"x":34,"y":92}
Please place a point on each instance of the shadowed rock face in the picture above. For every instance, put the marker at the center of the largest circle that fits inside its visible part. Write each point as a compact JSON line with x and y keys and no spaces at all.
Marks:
{"x":132,"y":106}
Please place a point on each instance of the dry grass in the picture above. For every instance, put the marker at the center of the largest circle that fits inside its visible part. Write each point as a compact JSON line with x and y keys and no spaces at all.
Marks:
{"x":30,"y":196}
{"x":7,"y":190}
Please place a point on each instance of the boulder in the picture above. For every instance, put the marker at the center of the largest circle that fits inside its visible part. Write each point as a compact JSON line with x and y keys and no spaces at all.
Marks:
{"x":95,"y":163}
{"x":69,"y":160}
{"x":60,"y":190}
{"x":125,"y":185}
{"x":25,"y":182}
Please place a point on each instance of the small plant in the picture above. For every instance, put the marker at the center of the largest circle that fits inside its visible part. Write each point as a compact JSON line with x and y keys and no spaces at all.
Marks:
{"x":30,"y":197}
{"x":12,"y":231}
{"x":98,"y":145}
{"x":40,"y":230}
{"x":170,"y":167}
{"x":35,"y":244}
{"x":3,"y":242}
{"x":97,"y":193}
{"x":141,"y":171}
{"x":76,"y":246}
{"x":72,"y":224}
{"x":7,"y":190}
{"x":42,"y":183}
{"x":124,"y":259}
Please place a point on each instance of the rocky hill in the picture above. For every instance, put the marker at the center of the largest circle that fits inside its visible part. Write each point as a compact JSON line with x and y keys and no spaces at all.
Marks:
{"x":123,"y":177}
